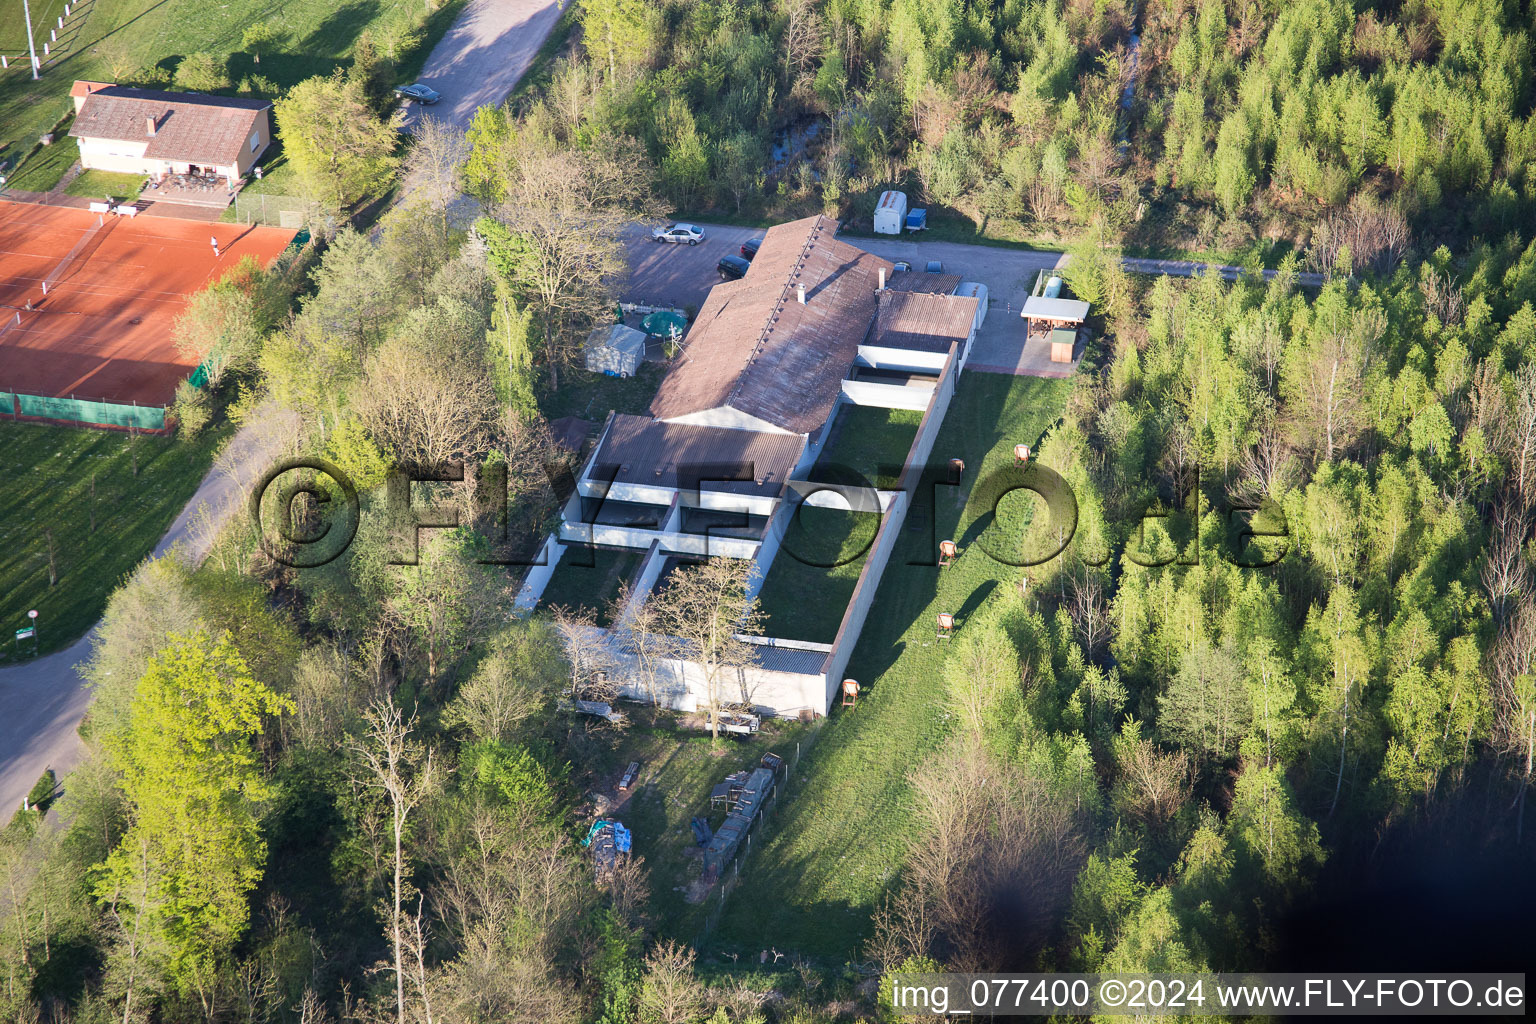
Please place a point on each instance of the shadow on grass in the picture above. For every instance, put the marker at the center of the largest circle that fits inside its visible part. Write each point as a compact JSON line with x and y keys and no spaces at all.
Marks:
{"x":341,"y":28}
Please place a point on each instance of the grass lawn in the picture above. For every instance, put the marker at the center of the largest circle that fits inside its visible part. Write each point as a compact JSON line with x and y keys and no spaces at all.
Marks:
{"x":678,"y":767}
{"x":96,"y":184}
{"x":590,"y":578}
{"x":49,"y":472}
{"x":45,"y":167}
{"x":110,"y":40}
{"x":871,"y":441}
{"x":813,"y":575}
{"x":839,"y":843}
{"x":593,"y":395}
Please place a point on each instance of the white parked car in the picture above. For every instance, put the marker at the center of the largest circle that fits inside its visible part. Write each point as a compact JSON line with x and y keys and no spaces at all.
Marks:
{"x":679,"y":233}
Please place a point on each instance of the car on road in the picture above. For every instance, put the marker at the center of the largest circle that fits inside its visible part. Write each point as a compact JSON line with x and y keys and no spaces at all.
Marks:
{"x":901,"y":266}
{"x":678,"y":234}
{"x":418,"y":93}
{"x":750,"y":246}
{"x":732,"y":268}
{"x":935,"y":267}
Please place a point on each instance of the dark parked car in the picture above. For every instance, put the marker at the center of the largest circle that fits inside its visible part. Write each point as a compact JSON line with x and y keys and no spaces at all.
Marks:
{"x":901,"y":266}
{"x":935,"y":267}
{"x":418,"y":93}
{"x":749,"y":247}
{"x":732,"y":267}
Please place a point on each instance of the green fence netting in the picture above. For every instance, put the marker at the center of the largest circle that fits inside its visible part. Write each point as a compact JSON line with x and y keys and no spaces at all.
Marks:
{"x":78,"y":410}
{"x":7,"y":403}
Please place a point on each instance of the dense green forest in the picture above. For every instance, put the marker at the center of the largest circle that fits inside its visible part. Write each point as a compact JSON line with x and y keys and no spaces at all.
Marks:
{"x":1293,"y":636}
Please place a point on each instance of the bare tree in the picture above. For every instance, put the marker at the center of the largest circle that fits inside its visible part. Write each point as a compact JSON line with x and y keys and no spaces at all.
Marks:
{"x":390,"y":761}
{"x":669,"y":992}
{"x":802,"y":38}
{"x":706,"y":608}
{"x":642,"y":638}
{"x":424,"y":407}
{"x":992,"y":840}
{"x":1512,"y":665}
{"x":435,"y":164}
{"x":1375,"y":234}
{"x":1506,"y":574}
{"x":1519,"y":435}
{"x":1154,"y":783}
{"x":568,"y":209}
{"x":1327,"y":396}
{"x":586,"y":651}
{"x":1089,"y":608}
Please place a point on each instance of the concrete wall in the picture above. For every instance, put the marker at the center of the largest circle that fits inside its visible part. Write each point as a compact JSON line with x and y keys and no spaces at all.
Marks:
{"x":890,"y":530}
{"x":880,"y":358}
{"x":733,"y":419}
{"x":680,"y":685}
{"x":538,"y":576}
{"x":887,"y":396}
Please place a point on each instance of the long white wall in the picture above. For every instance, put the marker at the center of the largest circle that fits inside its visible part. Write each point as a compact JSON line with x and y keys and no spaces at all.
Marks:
{"x":890,"y":529}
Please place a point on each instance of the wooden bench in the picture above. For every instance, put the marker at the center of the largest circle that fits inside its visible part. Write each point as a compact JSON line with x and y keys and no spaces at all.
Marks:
{"x":629,"y":776}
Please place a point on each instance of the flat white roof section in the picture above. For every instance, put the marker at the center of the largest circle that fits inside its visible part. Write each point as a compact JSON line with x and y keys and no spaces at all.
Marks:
{"x":1067,"y":311}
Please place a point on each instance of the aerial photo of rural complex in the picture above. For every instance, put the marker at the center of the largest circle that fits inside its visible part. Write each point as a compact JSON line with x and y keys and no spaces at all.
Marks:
{"x":766,"y":511}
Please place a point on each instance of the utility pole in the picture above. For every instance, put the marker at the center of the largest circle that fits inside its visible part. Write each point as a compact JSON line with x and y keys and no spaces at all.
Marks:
{"x":26,"y":8}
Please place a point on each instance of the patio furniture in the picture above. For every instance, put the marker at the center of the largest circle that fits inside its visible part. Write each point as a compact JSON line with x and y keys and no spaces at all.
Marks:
{"x":1020,"y":454}
{"x":947,"y":552}
{"x":946,"y":625}
{"x":720,"y":795}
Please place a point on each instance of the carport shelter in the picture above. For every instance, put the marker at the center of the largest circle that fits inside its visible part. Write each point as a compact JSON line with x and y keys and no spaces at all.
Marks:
{"x":615,"y":350}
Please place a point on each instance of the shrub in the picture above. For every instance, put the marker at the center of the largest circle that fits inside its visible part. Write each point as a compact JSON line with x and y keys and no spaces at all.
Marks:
{"x":202,"y":72}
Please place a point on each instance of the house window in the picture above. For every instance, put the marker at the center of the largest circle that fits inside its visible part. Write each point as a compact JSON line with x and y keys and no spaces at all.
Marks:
{"x":255,"y":140}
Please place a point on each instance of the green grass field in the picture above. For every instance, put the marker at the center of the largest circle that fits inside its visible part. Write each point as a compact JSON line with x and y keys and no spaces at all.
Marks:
{"x":590,"y":578}
{"x":813,"y":575}
{"x":839,"y":843}
{"x":871,"y":441}
{"x":49,"y":474}
{"x":96,"y":184}
{"x":43,"y":171}
{"x":111,"y":40}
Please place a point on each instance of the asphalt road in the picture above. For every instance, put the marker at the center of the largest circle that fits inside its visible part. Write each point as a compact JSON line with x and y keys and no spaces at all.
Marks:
{"x":481,"y":57}
{"x":43,"y":701}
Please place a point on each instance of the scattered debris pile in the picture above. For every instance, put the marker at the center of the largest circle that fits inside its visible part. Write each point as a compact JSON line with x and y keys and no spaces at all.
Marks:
{"x":607,"y":839}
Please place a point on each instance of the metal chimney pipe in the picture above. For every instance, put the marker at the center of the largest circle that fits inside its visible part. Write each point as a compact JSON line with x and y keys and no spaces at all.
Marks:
{"x":882,"y":279}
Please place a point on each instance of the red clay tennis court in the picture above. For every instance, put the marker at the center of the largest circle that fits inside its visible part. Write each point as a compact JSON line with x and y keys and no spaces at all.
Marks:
{"x":115,"y":285}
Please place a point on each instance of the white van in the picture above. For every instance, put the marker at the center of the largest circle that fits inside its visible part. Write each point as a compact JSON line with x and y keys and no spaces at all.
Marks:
{"x":890,"y":213}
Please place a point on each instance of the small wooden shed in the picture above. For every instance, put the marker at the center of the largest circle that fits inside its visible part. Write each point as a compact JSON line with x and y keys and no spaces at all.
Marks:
{"x":1063,"y":341}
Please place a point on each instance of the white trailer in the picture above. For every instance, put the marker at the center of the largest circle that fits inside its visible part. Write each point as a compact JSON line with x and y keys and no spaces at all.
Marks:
{"x":890,"y":213}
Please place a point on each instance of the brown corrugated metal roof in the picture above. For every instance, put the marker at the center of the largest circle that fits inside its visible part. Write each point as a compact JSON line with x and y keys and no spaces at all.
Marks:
{"x":922,"y":321}
{"x":188,"y":127}
{"x":644,"y":451}
{"x":920,"y":281}
{"x":755,"y":348}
